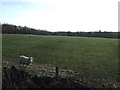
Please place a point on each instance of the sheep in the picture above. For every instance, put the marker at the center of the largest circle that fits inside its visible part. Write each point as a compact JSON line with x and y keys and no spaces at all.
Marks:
{"x":29,"y":36}
{"x":25,"y":60}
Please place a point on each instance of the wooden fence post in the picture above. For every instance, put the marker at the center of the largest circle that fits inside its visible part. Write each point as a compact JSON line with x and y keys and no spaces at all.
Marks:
{"x":56,"y":72}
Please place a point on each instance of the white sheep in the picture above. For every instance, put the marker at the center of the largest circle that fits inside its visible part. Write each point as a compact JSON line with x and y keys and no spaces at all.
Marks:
{"x":25,"y":60}
{"x":29,"y":36}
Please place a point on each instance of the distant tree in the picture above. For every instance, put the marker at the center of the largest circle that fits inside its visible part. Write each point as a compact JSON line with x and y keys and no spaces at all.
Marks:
{"x":99,"y":30}
{"x":13,"y":29}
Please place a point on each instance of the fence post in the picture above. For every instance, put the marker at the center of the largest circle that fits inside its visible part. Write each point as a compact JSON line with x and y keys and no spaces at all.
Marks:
{"x":56,"y":72}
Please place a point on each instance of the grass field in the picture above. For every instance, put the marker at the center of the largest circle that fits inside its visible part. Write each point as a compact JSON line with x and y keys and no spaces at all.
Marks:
{"x":92,"y":57}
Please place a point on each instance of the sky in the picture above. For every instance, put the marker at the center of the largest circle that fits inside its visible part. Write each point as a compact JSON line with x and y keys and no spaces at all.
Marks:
{"x":61,"y":15}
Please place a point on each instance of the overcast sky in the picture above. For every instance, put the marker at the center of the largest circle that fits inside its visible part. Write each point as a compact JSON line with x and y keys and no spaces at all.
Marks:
{"x":61,"y":15}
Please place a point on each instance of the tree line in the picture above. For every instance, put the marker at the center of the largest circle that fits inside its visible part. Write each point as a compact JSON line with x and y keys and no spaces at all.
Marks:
{"x":13,"y":29}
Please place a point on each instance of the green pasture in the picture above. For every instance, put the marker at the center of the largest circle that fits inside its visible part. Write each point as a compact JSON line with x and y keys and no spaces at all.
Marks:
{"x":93,"y":57}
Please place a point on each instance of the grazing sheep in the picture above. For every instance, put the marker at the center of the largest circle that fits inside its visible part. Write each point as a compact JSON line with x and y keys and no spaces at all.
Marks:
{"x":29,"y":36}
{"x":25,"y":60}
